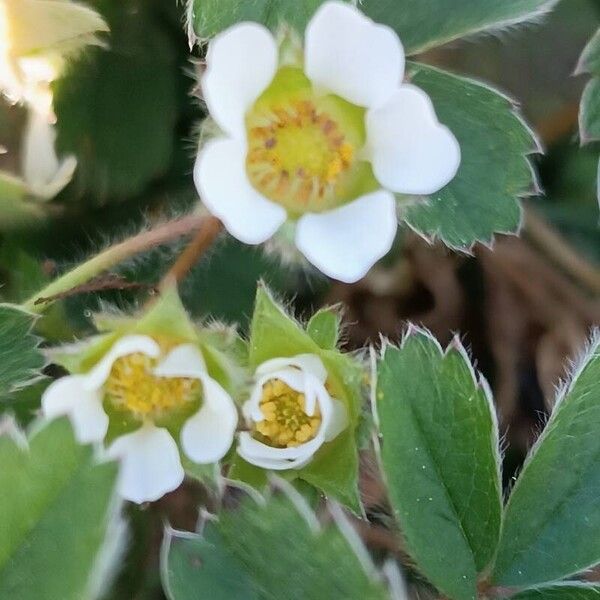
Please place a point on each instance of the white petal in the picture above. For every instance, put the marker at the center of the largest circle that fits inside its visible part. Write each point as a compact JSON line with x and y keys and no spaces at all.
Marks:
{"x":68,"y":396}
{"x":44,"y":175}
{"x":223,"y":186}
{"x":241,"y":63}
{"x":305,"y":362}
{"x":150,"y":464}
{"x":411,"y":152}
{"x":350,"y":55}
{"x":207,"y":436}
{"x":346,"y":242}
{"x":40,"y":162}
{"x":129,"y":344}
{"x":183,"y":361}
{"x":337,"y":421}
{"x":277,"y":459}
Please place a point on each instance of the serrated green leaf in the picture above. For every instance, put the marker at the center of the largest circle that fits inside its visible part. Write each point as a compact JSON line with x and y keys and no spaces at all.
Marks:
{"x":424,"y":24}
{"x":128,"y":87}
{"x":421,"y":25}
{"x":56,"y":505}
{"x":324,"y":328}
{"x":209,"y":17}
{"x":440,"y":458}
{"x":288,"y":560}
{"x":483,"y":198}
{"x":194,"y":564}
{"x":20,"y":359}
{"x":552,"y":522}
{"x":563,"y":591}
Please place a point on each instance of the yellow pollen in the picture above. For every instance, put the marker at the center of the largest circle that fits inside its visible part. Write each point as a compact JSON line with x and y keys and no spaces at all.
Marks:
{"x":297,"y":155}
{"x":285,"y":422}
{"x":132,"y":386}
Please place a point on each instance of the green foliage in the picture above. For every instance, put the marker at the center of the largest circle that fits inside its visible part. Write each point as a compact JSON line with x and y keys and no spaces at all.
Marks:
{"x":194,"y":563}
{"x":421,"y":25}
{"x":440,"y":459}
{"x":483,"y":199}
{"x":56,"y":507}
{"x":589,"y":113}
{"x":273,"y":547}
{"x":424,"y":24}
{"x":566,"y":591}
{"x":128,"y":87}
{"x":552,"y":523}
{"x":324,"y":328}
{"x":20,"y":360}
{"x":209,"y":17}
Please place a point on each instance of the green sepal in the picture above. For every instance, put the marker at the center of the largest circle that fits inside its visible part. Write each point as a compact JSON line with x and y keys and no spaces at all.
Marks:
{"x":334,"y":469}
{"x":167,"y":318}
{"x":324,"y":327}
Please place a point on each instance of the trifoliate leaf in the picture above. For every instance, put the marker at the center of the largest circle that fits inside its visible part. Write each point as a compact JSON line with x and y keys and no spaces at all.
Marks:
{"x":20,"y":359}
{"x":129,"y":87}
{"x":424,"y":24}
{"x":495,"y":171}
{"x":274,"y":552}
{"x":440,"y":458}
{"x":57,"y":515}
{"x":552,"y":523}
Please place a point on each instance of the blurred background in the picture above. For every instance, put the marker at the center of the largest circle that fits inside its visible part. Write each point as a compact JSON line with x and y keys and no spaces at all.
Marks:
{"x":130,"y":115}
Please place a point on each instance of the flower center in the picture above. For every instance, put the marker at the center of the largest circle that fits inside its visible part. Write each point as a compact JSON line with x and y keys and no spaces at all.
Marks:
{"x":303,"y":149}
{"x":132,"y":386}
{"x":285,"y":423}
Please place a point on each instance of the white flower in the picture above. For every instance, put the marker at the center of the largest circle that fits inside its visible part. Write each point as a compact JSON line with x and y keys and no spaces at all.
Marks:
{"x":325,"y":144}
{"x":135,"y":379}
{"x":291,"y":414}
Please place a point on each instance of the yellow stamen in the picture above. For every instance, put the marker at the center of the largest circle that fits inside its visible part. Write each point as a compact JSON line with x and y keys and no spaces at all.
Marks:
{"x":132,"y":386}
{"x":285,"y":423}
{"x":299,"y":156}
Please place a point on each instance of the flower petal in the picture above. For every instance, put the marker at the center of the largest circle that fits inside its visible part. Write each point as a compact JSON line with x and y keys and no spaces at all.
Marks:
{"x":241,"y":62}
{"x":207,"y":436}
{"x":346,"y":242}
{"x":277,"y":459}
{"x":221,"y":181}
{"x":305,"y":362}
{"x":68,"y":396}
{"x":150,"y":464}
{"x":337,"y":420}
{"x":129,"y":344}
{"x":411,"y":152}
{"x":183,"y":361}
{"x":350,"y":55}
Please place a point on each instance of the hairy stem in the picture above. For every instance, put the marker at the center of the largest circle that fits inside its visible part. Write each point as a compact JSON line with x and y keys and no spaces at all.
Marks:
{"x":186,"y":261}
{"x":113,"y":256}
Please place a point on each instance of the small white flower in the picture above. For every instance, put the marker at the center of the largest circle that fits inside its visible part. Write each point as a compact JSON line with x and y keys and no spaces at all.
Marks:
{"x":291,"y":414}
{"x":325,"y":144}
{"x":134,"y":378}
